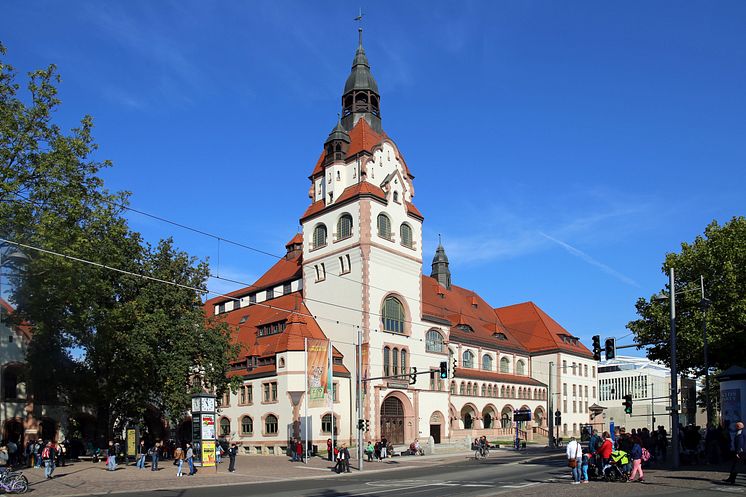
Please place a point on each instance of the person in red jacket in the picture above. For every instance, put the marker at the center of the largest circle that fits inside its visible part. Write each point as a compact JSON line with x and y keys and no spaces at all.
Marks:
{"x":299,"y":450}
{"x":605,"y":450}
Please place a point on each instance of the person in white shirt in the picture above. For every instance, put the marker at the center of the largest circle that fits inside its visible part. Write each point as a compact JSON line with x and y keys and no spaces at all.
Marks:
{"x":574,"y":456}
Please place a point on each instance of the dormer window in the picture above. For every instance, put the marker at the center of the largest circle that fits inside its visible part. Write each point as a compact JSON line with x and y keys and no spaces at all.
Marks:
{"x":465,"y":327}
{"x":271,"y":329}
{"x":244,"y":318}
{"x":499,"y":335}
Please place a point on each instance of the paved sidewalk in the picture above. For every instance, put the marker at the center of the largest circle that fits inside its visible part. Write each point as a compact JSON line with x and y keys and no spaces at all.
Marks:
{"x":85,"y":478}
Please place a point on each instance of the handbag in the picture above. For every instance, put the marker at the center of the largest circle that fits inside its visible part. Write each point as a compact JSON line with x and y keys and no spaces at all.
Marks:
{"x":572,"y":463}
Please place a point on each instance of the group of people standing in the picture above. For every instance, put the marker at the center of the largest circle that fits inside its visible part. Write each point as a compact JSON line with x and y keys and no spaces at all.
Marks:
{"x":629,"y":449}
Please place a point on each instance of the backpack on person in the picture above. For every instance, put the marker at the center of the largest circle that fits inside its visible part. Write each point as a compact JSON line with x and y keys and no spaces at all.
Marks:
{"x":645,"y":455}
{"x":45,"y":454}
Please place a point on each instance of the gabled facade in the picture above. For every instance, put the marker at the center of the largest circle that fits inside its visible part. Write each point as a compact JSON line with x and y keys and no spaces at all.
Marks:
{"x":357,"y":268}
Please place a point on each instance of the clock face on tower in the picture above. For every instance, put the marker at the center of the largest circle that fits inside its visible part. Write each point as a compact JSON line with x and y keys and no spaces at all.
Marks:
{"x":195,"y":404}
{"x":208,"y":404}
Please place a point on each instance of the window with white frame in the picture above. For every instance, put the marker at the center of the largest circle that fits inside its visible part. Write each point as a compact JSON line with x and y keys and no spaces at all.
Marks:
{"x":434,"y":341}
{"x":393,"y":315}
{"x":405,"y":233}
{"x":504,"y":365}
{"x":344,"y":227}
{"x":487,"y":362}
{"x":319,"y":236}
{"x":468,"y":359}
{"x":384,"y":226}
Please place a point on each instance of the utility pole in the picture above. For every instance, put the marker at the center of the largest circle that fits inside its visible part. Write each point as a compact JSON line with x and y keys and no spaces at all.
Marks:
{"x":674,"y":375}
{"x":705,"y":304}
{"x":360,"y":396}
{"x":550,"y":407}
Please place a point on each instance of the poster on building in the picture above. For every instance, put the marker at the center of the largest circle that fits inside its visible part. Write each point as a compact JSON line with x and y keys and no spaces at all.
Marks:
{"x":730,"y":407}
{"x":208,"y":427}
{"x":318,"y":371}
{"x":208,"y":453}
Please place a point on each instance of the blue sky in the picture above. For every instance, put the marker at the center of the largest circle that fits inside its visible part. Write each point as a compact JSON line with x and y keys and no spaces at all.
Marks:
{"x":559,"y":148}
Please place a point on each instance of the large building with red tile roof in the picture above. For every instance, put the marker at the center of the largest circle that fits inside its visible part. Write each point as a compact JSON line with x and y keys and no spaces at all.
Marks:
{"x":355,"y":275}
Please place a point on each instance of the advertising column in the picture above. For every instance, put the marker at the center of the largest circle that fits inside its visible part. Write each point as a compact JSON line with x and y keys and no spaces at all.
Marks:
{"x":203,"y":429}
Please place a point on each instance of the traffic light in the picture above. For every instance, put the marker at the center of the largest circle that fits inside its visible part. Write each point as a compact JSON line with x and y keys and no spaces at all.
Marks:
{"x":367,"y":425}
{"x":610,"y":348}
{"x":627,"y":404}
{"x":444,"y":369}
{"x":557,"y":418}
{"x":596,"y":348}
{"x":360,"y":424}
{"x":453,"y":371}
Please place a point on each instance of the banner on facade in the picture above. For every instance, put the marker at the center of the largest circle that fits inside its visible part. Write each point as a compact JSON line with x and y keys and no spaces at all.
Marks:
{"x":318,"y":372}
{"x":366,"y":366}
{"x":208,"y":453}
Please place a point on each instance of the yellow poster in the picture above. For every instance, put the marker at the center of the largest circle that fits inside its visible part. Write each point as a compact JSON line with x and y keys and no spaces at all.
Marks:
{"x":318,"y":371}
{"x":131,"y":442}
{"x":208,"y":453}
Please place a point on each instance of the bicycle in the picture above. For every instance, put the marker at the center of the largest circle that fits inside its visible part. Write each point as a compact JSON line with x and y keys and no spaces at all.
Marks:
{"x":481,"y":452}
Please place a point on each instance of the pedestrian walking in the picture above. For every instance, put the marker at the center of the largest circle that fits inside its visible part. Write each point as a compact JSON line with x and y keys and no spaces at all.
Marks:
{"x":346,"y":458}
{"x":329,"y":449}
{"x":739,"y":444}
{"x":298,"y":450}
{"x":141,"y":453}
{"x":369,"y":450}
{"x":190,"y":459}
{"x":111,"y":457}
{"x":47,"y":456}
{"x":232,"y":453}
{"x":636,"y":454}
{"x":574,"y":456}
{"x":179,"y":461}
{"x":384,"y":447}
{"x":154,"y":456}
{"x":340,"y":465}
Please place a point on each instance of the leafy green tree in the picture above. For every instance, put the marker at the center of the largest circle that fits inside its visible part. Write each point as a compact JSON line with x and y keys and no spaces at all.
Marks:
{"x":719,"y":255}
{"x":113,"y":341}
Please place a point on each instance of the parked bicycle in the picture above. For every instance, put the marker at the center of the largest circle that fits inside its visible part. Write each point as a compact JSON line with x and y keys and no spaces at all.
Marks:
{"x":13,"y":482}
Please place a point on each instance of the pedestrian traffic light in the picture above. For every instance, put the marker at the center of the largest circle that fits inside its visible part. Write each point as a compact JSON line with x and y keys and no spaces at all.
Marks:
{"x":444,"y":369}
{"x":610,"y":348}
{"x":596,"y":348}
{"x":627,"y":404}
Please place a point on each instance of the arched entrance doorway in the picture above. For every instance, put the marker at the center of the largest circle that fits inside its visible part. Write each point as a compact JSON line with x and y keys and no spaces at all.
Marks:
{"x":468,"y":416}
{"x":13,"y":431}
{"x":392,"y":420}
{"x":539,"y":417}
{"x":488,"y":416}
{"x":437,"y":425}
{"x":506,"y":417}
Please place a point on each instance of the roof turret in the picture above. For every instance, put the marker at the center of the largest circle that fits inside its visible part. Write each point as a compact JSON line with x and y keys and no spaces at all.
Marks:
{"x":440,"y":271}
{"x":360,"y":98}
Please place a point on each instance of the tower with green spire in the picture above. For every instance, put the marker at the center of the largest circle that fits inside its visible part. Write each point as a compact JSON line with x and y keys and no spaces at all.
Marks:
{"x":360,"y":98}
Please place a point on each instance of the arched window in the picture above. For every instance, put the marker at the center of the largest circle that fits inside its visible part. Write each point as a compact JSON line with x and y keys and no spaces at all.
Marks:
{"x":505,"y":420}
{"x":225,"y":427}
{"x":487,"y":362}
{"x":403,"y":357}
{"x":484,"y":390}
{"x":386,"y":361}
{"x":468,"y":388}
{"x":247,"y":425}
{"x":462,"y":389}
{"x":434,"y":341}
{"x":453,"y":388}
{"x":326,"y":424}
{"x":270,"y":424}
{"x":504,"y":365}
{"x":520,"y":368}
{"x":405,"y":233}
{"x":384,"y":226}
{"x":468,"y":359}
{"x":396,"y":361}
{"x":14,"y":386}
{"x":319,"y":236}
{"x":502,"y":391}
{"x":393,"y":315}
{"x":344,"y":227}
{"x":396,"y":196}
{"x":512,"y":392}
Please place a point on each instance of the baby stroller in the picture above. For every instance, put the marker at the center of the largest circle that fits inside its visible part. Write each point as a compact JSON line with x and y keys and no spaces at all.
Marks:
{"x":615,"y":470}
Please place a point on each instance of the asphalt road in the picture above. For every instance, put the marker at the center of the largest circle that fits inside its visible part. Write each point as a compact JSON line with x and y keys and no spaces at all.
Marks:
{"x":466,"y":478}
